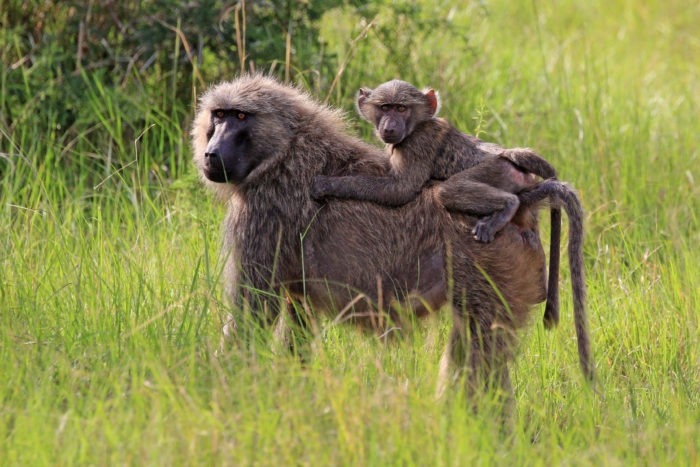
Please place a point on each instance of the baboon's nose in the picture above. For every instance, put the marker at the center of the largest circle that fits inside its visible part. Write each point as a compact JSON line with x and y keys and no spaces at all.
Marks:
{"x":211,"y":155}
{"x":389,"y":135}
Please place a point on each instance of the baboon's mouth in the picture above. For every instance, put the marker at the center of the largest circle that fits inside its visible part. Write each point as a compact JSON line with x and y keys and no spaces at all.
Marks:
{"x":391,"y":139}
{"x":217,"y":176}
{"x":215,"y":171}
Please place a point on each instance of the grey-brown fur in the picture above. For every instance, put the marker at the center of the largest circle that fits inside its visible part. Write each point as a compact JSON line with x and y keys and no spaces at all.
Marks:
{"x":481,"y":179}
{"x":278,"y":239}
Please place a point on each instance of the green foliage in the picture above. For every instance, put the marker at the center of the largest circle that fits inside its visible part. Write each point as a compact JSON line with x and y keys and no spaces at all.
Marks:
{"x":112,"y":71}
{"x":110,"y":297}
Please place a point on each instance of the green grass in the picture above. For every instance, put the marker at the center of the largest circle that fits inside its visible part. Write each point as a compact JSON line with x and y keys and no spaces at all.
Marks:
{"x":111,"y":301}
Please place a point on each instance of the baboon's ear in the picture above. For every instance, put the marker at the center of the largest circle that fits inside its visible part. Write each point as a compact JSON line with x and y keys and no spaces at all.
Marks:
{"x":431,"y":98}
{"x":362,"y":96}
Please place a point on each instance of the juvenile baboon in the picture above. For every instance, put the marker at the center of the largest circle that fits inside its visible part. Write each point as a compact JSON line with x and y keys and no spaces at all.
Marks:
{"x":481,"y":179}
{"x":259,"y":144}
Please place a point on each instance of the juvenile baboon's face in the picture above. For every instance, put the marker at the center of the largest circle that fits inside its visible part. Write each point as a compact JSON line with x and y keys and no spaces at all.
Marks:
{"x":395,"y":108}
{"x":394,"y":122}
{"x":390,"y":116}
{"x":228,"y":157}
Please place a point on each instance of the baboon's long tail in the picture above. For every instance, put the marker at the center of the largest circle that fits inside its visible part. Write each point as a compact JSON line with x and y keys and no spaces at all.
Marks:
{"x":551,"y":308}
{"x":561,"y":194}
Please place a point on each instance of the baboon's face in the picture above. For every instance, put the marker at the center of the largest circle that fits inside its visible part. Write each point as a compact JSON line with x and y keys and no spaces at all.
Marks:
{"x":392,"y":120}
{"x":228,"y":157}
{"x":395,"y":108}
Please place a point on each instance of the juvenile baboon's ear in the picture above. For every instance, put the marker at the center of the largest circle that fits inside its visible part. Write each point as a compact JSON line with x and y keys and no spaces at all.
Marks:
{"x":362,"y":96}
{"x":431,"y":98}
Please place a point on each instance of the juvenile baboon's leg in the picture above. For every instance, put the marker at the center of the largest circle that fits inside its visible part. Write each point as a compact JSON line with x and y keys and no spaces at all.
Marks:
{"x":486,"y":190}
{"x":486,"y":228}
{"x":530,"y":161}
{"x":463,"y":194}
{"x":480,"y":190}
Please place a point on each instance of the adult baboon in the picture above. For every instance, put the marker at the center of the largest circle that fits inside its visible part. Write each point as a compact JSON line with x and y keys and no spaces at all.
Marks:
{"x":259,"y":144}
{"x":482,"y":179}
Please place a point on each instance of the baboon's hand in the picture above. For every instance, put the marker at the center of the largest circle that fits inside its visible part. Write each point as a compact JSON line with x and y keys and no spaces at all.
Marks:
{"x":320,"y":186}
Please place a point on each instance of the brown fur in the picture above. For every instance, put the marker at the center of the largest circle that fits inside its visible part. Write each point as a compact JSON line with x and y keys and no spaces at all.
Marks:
{"x":277,"y":238}
{"x":481,"y":179}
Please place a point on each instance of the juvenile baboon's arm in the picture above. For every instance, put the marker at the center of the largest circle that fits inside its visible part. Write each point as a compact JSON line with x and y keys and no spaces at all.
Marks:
{"x":395,"y":189}
{"x":463,"y":194}
{"x":387,"y":191}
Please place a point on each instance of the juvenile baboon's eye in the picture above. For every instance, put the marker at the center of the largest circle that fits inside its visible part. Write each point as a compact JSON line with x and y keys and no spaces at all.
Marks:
{"x":219,"y":113}
{"x":241,"y":116}
{"x":385,"y":107}
{"x":401,"y":108}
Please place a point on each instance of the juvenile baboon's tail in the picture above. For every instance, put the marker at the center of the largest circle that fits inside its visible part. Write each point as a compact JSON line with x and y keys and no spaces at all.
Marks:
{"x":561,"y":194}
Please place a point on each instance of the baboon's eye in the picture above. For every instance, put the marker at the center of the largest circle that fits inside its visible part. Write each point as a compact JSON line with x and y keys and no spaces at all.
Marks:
{"x":219,"y":113}
{"x":241,"y":116}
{"x":400,"y":108}
{"x":385,"y":107}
